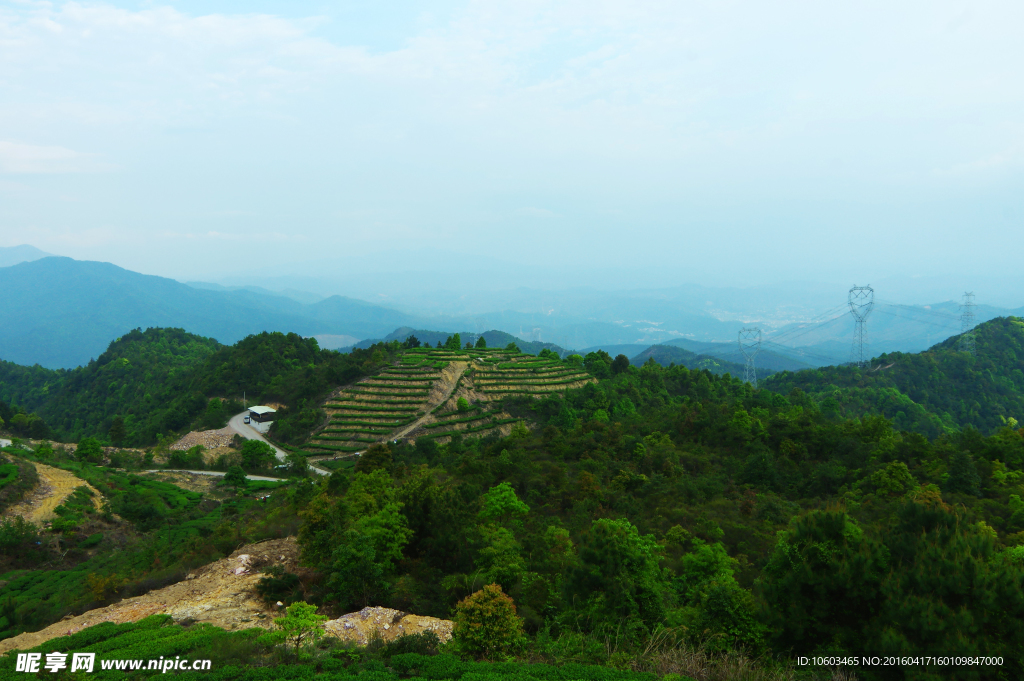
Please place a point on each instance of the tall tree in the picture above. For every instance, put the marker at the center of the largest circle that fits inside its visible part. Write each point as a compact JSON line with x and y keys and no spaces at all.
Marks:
{"x":117,"y":431}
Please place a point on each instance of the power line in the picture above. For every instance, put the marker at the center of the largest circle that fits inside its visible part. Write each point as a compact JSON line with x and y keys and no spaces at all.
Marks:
{"x":784,"y":351}
{"x":861,"y":300}
{"x":824,"y":359}
{"x":750,"y":344}
{"x":861,"y":303}
{"x":967,"y":324}
{"x":811,"y":324}
{"x":919,"y":321}
{"x":919,"y":310}
{"x":804,"y":330}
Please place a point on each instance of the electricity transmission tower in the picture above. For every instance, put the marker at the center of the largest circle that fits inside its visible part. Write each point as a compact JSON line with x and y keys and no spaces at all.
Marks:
{"x":750,"y":345}
{"x":967,"y":324}
{"x":862,"y":301}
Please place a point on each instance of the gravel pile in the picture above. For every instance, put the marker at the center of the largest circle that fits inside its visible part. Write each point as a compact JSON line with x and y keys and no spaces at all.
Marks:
{"x":211,"y":439}
{"x":386,"y":623}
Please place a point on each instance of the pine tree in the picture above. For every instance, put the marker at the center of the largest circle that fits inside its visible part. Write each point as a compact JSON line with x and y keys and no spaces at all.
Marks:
{"x":117,"y":431}
{"x":963,"y":476}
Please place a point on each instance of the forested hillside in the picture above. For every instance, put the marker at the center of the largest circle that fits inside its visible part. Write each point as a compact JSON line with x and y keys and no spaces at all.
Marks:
{"x":933,"y":392}
{"x":654,"y":511}
{"x":162,"y":381}
{"x":657,"y":497}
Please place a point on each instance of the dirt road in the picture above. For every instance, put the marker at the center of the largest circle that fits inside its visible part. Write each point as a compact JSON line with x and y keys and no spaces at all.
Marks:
{"x":55,"y":485}
{"x":238,"y":424}
{"x":214,"y":473}
{"x":439,"y":394}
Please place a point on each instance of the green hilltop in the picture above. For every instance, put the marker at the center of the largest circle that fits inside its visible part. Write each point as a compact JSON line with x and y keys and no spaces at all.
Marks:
{"x":932,"y":392}
{"x":666,"y":355}
{"x":161,"y":382}
{"x":164,"y":381}
{"x":432,"y":393}
{"x":493,"y":339}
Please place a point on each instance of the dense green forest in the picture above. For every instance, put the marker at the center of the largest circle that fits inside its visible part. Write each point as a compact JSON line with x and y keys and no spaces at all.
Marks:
{"x":938,"y":391}
{"x":658,"y":515}
{"x":163,"y":381}
{"x":661,"y":509}
{"x":669,"y":497}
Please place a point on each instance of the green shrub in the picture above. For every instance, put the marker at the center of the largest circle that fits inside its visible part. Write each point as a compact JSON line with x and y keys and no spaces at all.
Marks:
{"x":15,"y":532}
{"x":425,"y":643}
{"x":486,"y":624}
{"x":89,"y":450}
{"x":91,"y":540}
{"x":444,"y":666}
{"x":278,"y":585}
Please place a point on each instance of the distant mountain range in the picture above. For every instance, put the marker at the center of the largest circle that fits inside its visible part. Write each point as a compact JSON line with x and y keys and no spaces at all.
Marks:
{"x":12,"y":255}
{"x":493,"y":338}
{"x":666,"y":355}
{"x":728,"y":353}
{"x":304,"y":297}
{"x":60,"y":313}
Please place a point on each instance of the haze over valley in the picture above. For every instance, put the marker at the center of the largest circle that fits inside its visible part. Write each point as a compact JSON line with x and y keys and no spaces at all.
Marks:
{"x":63,"y":313}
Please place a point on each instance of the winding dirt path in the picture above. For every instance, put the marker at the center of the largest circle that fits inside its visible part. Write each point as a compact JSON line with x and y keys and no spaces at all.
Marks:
{"x":55,"y":485}
{"x":439,"y":394}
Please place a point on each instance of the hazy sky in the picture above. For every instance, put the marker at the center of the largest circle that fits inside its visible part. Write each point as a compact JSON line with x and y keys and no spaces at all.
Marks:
{"x":689,"y":141}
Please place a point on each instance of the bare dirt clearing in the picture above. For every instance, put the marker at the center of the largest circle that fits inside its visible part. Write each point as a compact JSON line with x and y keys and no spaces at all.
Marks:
{"x":224,"y":595}
{"x":221,"y":593}
{"x":55,"y":485}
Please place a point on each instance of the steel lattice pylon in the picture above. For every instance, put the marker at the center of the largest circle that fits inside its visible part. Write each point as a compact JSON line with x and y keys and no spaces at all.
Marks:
{"x":750,"y":345}
{"x":862,"y":301}
{"x":967,"y":324}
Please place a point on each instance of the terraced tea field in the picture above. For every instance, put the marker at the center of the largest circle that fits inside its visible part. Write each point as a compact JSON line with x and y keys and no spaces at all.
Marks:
{"x":490,"y":376}
{"x":525,"y":374}
{"x":376,"y":407}
{"x":417,"y":397}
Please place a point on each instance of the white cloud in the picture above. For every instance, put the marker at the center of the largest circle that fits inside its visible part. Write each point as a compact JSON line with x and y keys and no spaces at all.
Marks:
{"x":652,"y":78}
{"x":651,"y":117}
{"x":984,"y":166}
{"x":28,"y":158}
{"x":14,"y":187}
{"x":534,"y":212}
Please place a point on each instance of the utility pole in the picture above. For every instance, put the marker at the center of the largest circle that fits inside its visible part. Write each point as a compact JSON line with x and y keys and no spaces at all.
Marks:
{"x":967,"y":324}
{"x":750,"y":345}
{"x":862,"y":301}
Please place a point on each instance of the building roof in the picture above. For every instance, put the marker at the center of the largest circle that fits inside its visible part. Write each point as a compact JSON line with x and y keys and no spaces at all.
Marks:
{"x":262,"y":410}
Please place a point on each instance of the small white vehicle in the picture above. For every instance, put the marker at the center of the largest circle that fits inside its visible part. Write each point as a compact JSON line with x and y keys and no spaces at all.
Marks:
{"x":246,"y":419}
